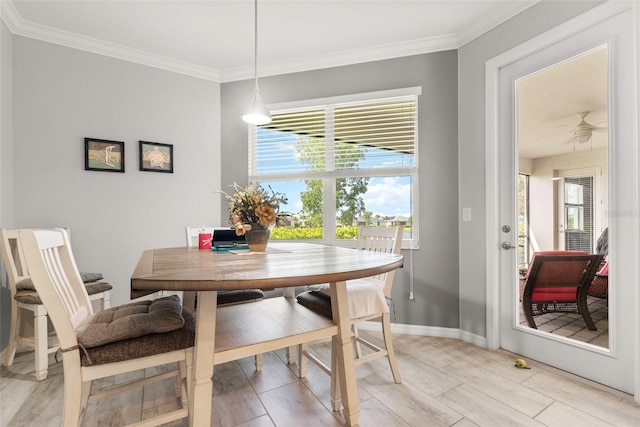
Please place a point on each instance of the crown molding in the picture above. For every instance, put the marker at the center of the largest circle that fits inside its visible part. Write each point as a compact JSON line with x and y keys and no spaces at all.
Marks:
{"x":346,"y":57}
{"x":9,"y":15}
{"x":507,"y":11}
{"x":20,"y":27}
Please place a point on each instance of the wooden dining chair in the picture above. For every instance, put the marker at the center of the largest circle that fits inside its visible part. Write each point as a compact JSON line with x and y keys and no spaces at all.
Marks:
{"x":127,"y":338}
{"x":367,"y":301}
{"x":559,"y":282}
{"x":25,"y":298}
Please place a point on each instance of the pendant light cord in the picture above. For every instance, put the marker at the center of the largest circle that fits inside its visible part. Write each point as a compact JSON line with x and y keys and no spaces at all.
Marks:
{"x":255,"y":43}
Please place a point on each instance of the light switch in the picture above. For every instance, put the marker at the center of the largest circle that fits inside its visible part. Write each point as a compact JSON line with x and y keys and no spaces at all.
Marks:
{"x":466,"y":214}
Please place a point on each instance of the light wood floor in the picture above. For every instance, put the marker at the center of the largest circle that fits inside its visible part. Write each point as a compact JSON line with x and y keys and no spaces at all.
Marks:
{"x":446,"y":382}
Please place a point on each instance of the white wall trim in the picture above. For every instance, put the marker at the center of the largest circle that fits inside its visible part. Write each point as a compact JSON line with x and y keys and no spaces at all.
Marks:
{"x":636,"y":131}
{"x":428,"y":331}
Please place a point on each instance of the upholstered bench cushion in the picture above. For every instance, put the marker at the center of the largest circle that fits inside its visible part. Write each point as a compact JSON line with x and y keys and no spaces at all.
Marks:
{"x":130,"y":321}
{"x":143,"y":346}
{"x":27,"y":284}
{"x":239,"y":296}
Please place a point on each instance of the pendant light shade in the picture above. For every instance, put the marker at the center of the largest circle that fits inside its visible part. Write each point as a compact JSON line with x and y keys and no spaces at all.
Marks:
{"x":258,"y":113}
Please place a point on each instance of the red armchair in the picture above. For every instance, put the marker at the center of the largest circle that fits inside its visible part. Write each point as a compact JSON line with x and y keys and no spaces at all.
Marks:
{"x":559,"y":281}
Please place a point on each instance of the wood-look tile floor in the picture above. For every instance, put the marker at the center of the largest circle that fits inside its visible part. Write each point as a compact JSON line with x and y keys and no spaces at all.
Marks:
{"x":446,"y":382}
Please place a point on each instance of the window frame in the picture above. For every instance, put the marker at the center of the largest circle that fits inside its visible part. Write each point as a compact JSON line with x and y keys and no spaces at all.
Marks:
{"x":330,"y":175}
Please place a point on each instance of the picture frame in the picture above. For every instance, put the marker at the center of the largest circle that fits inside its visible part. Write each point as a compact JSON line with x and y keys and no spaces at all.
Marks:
{"x":103,"y":155}
{"x":156,"y":157}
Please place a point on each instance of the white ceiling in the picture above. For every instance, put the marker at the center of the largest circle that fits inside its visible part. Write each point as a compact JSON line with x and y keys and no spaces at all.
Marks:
{"x":549,"y":101}
{"x":214,"y":39}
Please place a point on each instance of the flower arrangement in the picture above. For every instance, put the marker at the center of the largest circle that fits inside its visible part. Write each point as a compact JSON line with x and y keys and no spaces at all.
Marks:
{"x":253,"y":205}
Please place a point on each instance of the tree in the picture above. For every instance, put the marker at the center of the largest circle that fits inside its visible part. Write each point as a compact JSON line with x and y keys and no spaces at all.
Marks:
{"x":349,"y":203}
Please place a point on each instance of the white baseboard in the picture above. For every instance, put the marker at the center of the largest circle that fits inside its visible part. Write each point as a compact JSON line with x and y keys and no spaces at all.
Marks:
{"x":428,"y":331}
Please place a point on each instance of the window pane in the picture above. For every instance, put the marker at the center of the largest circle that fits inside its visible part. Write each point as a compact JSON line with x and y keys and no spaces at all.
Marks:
{"x":375,"y":201}
{"x":575,"y":218}
{"x":375,"y":134}
{"x":292,"y":143}
{"x":579,"y":211}
{"x":302,"y":217}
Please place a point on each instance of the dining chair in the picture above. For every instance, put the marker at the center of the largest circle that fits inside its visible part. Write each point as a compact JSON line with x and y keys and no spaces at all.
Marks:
{"x":368,"y":300}
{"x":225,"y":298}
{"x":24,"y":297}
{"x":119,"y":340}
{"x":559,"y":282}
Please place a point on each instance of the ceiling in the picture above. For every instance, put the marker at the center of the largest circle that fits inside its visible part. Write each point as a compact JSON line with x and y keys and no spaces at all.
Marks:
{"x":549,"y":102}
{"x":214,"y":40}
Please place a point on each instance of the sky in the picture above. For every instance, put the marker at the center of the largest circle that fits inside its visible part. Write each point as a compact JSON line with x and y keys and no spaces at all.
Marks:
{"x":388,"y":196}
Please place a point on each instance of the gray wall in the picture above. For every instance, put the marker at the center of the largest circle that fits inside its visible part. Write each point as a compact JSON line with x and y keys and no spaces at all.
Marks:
{"x":472,"y":58}
{"x":435,"y":264}
{"x":62,"y":95}
{"x":6,"y":165}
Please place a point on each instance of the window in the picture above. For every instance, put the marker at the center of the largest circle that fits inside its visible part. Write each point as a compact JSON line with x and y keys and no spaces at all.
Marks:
{"x":342,"y":161}
{"x":524,"y":241}
{"x":579,"y":218}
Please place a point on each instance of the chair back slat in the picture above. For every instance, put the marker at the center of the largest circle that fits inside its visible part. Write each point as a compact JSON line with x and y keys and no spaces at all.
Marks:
{"x":13,"y":258}
{"x":57,"y":280}
{"x":62,"y":284}
{"x":384,"y":240}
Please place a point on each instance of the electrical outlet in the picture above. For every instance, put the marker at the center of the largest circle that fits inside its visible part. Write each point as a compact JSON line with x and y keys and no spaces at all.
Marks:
{"x":412,"y":297}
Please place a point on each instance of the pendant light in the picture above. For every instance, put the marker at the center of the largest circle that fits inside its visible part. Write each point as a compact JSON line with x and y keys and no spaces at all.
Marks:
{"x":258,"y":113}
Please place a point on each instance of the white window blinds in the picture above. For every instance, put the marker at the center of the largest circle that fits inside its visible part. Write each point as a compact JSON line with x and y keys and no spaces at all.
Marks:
{"x":363,"y":135}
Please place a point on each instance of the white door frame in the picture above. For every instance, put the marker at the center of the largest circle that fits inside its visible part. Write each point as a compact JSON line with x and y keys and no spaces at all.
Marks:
{"x":492,"y":225}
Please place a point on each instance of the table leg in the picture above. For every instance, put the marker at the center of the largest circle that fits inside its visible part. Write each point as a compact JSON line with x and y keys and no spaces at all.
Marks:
{"x":344,"y":352}
{"x":201,"y":391}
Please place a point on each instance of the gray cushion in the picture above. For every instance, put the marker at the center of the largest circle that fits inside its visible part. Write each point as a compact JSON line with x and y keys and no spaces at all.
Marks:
{"x":27,"y":284}
{"x":90,"y":277}
{"x":97,"y":287}
{"x":143,"y":346}
{"x":239,"y":296}
{"x":316,"y":301}
{"x":130,"y":321}
{"x":28,"y":296}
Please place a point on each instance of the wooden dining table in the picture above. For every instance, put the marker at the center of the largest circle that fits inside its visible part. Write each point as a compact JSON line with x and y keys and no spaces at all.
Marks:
{"x":230,"y":333}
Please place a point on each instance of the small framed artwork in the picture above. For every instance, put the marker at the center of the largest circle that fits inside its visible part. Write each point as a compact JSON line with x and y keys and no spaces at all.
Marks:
{"x":103,"y":155}
{"x":156,"y":157}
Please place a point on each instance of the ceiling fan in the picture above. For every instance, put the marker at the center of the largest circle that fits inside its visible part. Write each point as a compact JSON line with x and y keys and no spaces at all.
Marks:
{"x":583,"y":131}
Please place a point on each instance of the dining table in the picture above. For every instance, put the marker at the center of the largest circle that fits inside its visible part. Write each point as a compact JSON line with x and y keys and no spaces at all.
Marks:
{"x":229,"y":333}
